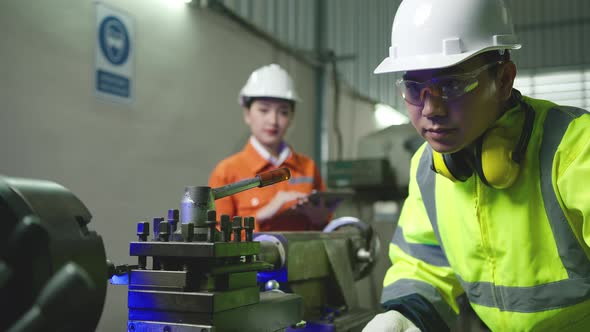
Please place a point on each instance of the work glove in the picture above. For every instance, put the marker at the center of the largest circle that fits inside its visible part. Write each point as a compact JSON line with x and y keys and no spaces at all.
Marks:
{"x":390,"y":321}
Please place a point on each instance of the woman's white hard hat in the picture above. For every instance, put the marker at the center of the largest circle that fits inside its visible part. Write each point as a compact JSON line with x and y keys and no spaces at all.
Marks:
{"x":270,"y":81}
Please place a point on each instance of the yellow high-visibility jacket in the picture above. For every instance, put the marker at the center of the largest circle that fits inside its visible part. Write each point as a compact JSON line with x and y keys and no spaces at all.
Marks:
{"x":521,"y":254}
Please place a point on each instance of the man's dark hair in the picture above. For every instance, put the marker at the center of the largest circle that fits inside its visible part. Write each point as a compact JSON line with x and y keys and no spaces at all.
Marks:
{"x":495,"y":56}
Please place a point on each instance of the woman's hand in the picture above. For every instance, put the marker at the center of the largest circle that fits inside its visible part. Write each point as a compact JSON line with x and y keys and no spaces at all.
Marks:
{"x":280,"y":199}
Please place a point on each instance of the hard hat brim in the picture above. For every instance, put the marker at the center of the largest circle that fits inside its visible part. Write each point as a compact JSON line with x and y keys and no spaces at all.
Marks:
{"x":434,"y":61}
{"x":295,"y":99}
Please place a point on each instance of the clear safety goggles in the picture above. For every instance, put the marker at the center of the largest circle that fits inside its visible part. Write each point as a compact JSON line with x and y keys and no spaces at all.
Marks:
{"x":448,"y":88}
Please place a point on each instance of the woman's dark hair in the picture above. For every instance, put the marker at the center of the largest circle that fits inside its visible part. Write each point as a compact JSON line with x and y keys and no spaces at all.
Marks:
{"x":248,"y":102}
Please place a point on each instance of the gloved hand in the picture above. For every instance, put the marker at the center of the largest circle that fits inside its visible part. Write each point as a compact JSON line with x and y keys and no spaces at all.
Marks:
{"x":390,"y":321}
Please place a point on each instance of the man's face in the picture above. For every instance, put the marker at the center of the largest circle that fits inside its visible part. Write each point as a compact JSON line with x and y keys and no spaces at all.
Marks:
{"x":450,"y":125}
{"x":269,"y":120}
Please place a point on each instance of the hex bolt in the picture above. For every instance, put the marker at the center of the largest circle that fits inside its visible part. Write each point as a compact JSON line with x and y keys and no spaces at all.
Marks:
{"x":173,"y":217}
{"x":225,"y":228}
{"x":211,"y":224}
{"x":164,"y":231}
{"x":143,"y":231}
{"x":188,"y":232}
{"x":237,"y":228}
{"x":249,"y":227}
{"x":156,"y":226}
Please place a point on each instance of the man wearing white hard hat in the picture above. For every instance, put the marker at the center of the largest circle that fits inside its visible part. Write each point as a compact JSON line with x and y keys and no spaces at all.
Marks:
{"x":498,"y":211}
{"x":268,"y":101}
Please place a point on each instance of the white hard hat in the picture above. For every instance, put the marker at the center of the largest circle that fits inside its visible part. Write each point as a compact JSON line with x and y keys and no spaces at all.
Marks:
{"x":270,"y":81}
{"x":430,"y":34}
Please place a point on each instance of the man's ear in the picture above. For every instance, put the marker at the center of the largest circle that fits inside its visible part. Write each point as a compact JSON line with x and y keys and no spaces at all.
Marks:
{"x":246,"y":115}
{"x":505,"y":80}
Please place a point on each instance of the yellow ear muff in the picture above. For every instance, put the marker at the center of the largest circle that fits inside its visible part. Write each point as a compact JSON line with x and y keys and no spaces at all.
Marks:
{"x":497,"y":154}
{"x":497,"y":167}
{"x":439,"y":165}
{"x":454,"y":166}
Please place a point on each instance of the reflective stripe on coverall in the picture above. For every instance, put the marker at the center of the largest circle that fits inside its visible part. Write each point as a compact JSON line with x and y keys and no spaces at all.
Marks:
{"x":519,"y":254}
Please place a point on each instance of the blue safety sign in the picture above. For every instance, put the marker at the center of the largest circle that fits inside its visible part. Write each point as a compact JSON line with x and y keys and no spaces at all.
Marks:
{"x":114,"y":55}
{"x":114,"y":40}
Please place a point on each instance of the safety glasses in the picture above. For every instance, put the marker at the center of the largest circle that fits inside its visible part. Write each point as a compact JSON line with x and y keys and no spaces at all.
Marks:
{"x":448,"y":88}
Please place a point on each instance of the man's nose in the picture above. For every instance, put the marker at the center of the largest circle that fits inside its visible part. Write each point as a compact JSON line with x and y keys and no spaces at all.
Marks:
{"x":433,"y":104}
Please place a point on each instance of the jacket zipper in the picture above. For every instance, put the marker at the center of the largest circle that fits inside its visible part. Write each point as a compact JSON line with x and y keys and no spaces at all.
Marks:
{"x":486,"y":244}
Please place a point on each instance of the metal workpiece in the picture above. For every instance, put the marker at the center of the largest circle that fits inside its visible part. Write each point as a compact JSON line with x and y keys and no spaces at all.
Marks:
{"x":194,"y":205}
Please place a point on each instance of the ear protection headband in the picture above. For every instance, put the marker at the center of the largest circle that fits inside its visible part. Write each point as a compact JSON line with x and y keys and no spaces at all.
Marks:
{"x":494,"y":160}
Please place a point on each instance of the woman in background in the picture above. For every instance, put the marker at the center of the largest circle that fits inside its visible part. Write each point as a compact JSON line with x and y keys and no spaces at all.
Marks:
{"x":268,"y":100}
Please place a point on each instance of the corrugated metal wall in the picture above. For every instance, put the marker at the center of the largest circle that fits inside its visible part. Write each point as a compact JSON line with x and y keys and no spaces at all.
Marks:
{"x":353,"y":27}
{"x":363,"y":29}
{"x":292,"y":22}
{"x":553,"y":33}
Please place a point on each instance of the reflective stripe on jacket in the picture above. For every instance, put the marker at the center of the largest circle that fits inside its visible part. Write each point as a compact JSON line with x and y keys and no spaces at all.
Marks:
{"x":520,"y":254}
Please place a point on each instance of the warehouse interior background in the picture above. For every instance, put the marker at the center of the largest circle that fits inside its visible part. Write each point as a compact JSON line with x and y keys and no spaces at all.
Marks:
{"x":129,"y":161}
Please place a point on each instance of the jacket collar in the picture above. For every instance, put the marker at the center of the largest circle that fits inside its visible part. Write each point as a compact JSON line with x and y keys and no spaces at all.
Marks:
{"x":256,"y":162}
{"x":285,"y":151}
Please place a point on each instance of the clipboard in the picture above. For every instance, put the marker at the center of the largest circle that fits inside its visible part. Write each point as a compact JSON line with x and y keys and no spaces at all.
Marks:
{"x":330,"y":199}
{"x":317,"y":207}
